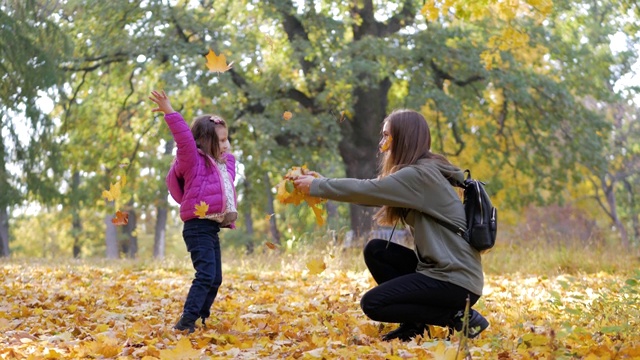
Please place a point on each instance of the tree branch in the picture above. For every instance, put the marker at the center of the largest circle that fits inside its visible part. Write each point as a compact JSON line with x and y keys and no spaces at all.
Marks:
{"x":441,"y":76}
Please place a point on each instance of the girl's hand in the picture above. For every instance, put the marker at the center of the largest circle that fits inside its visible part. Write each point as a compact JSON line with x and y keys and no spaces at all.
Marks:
{"x":162,"y":100}
{"x":303,"y":183}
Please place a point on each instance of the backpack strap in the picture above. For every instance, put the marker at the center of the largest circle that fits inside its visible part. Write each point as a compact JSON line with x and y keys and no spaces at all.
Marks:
{"x":457,"y":230}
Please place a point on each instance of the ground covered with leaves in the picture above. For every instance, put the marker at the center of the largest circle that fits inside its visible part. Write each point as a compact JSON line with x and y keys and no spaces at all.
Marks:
{"x":125,"y":310}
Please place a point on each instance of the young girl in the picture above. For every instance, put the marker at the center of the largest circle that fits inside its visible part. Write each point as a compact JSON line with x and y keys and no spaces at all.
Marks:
{"x":204,"y":171}
{"x":430,"y":284}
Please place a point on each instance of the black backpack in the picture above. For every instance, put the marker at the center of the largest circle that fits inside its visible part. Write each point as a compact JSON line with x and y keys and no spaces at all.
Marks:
{"x":482,"y":217}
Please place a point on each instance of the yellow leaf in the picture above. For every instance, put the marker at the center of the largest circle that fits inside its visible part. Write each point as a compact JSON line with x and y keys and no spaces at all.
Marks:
{"x":217,"y":63}
{"x":316,"y":266}
{"x":182,"y":351}
{"x":430,"y":11}
{"x":387,"y":144}
{"x":287,"y":115}
{"x":442,"y":352}
{"x":123,"y":180}
{"x":287,"y":194}
{"x":113,"y":193}
{"x":201,"y":210}
{"x":318,"y":213}
{"x":102,"y":328}
{"x":106,"y":346}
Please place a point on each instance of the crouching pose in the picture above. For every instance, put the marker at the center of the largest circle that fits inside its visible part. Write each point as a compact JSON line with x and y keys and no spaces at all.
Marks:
{"x":430,"y":284}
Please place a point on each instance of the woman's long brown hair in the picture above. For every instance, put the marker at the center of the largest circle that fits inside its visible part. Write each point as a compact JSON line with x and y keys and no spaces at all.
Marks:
{"x":203,"y":129}
{"x":411,"y":141}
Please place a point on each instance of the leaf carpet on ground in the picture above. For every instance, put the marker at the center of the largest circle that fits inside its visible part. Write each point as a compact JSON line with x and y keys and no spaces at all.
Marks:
{"x":76,"y":310}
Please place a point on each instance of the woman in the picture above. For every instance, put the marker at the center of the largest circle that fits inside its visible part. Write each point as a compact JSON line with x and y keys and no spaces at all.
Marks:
{"x":430,"y":284}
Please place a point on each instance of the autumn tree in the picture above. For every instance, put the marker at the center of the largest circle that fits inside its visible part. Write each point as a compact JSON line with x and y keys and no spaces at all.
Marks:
{"x":31,"y":47}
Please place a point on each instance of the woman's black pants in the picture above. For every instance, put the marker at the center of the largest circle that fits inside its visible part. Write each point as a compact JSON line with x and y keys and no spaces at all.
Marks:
{"x":405,"y":296}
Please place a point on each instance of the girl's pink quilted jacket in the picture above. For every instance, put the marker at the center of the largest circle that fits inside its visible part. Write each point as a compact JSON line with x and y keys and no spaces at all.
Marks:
{"x":189,"y":180}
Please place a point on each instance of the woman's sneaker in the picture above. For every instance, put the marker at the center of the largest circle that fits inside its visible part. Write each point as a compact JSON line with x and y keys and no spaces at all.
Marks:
{"x":184,"y":324}
{"x":477,"y":323}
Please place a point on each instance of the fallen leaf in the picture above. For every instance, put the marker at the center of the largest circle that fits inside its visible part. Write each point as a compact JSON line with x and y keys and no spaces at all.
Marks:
{"x":217,"y":63}
{"x":271,"y":245}
{"x":201,"y":210}
{"x":287,"y":115}
{"x":182,"y":351}
{"x":122,"y":218}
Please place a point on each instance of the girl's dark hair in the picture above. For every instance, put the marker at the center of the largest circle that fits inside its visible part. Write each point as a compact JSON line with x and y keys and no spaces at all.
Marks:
{"x":203,"y":129}
{"x":411,"y":141}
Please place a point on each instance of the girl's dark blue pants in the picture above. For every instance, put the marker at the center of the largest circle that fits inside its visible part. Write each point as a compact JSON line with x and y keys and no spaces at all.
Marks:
{"x":203,"y":244}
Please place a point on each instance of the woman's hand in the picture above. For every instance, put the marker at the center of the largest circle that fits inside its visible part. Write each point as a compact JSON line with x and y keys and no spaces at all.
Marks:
{"x":162,"y":100}
{"x":303,"y":183}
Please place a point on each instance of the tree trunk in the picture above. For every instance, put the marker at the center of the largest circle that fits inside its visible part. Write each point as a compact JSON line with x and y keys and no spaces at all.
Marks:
{"x":248,"y":221}
{"x":4,"y":232}
{"x":613,"y":213}
{"x":359,"y":144}
{"x":111,"y":238}
{"x":160,"y":236}
{"x":76,"y":221}
{"x":129,"y":231}
{"x":275,"y":234}
{"x":4,"y":201}
{"x":162,"y":211}
{"x":76,"y":230}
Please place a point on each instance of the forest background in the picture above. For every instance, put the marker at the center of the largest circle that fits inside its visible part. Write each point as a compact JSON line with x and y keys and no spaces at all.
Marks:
{"x":538,"y":98}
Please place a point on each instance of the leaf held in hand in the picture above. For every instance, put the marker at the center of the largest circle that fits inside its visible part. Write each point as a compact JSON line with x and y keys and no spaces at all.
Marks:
{"x":288,"y":194}
{"x":288,"y":185}
{"x":201,"y":209}
{"x":217,"y":63}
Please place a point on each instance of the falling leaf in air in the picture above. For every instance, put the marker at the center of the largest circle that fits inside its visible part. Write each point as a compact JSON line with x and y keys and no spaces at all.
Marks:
{"x":182,"y":351}
{"x":271,"y":245}
{"x":387,"y":144}
{"x":316,"y":266}
{"x":268,"y":217}
{"x":122,"y":218}
{"x":287,"y":115}
{"x":217,"y":63}
{"x":201,"y":210}
{"x":113,"y":193}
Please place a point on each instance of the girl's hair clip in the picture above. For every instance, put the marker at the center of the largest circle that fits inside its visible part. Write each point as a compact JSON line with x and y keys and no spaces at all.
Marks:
{"x":216,"y":120}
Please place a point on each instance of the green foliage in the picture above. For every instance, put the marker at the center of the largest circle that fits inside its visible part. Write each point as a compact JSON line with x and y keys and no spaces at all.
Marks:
{"x":529,"y":124}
